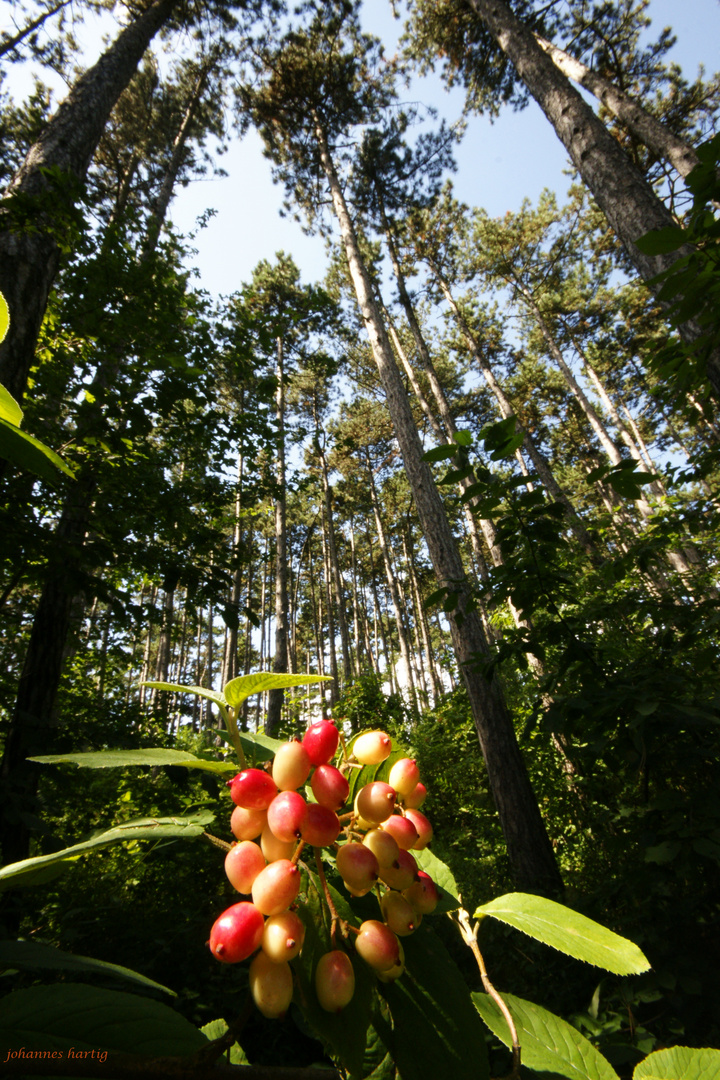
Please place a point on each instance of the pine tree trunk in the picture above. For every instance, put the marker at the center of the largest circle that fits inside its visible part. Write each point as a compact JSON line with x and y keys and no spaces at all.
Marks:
{"x":645,"y":127}
{"x":280,"y":662}
{"x":29,"y":259}
{"x":529,"y":849}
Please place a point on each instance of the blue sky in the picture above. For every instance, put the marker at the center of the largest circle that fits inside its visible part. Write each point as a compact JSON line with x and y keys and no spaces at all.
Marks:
{"x":498,"y":164}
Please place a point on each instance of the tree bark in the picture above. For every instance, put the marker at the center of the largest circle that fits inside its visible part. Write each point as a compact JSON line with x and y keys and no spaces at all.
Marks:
{"x":645,"y":127}
{"x":280,"y":662}
{"x":529,"y":849}
{"x":29,"y":258}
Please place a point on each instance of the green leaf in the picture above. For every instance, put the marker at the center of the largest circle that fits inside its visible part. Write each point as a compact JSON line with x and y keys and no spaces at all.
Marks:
{"x":548,"y":1044}
{"x":34,"y":871}
{"x":679,"y":1063}
{"x":443,"y":877}
{"x":661,"y":241}
{"x":568,"y":931}
{"x":441,"y":453}
{"x":463,"y":438}
{"x":68,"y":1016}
{"x":29,"y":453}
{"x":238,"y":689}
{"x":115,"y":759}
{"x":215,"y":1029}
{"x":199,"y":691}
{"x":4,"y":325}
{"x":258,"y":748}
{"x":9,"y":408}
{"x":436,"y":1031}
{"x":33,"y":956}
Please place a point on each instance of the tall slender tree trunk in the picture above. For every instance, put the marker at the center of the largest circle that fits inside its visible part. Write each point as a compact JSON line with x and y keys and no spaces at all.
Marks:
{"x":529,"y":849}
{"x":280,"y":661}
{"x":29,"y":258}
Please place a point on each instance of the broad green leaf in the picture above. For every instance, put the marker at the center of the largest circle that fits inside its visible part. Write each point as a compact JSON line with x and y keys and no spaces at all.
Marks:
{"x":215,"y":1029}
{"x":568,"y":931}
{"x":238,"y":689}
{"x":115,"y":759}
{"x":258,"y":748}
{"x":9,"y":408}
{"x":436,"y":1031}
{"x":32,"y":956}
{"x":199,"y":691}
{"x":679,"y":1063}
{"x":547,"y":1043}
{"x":29,"y":453}
{"x":34,"y":871}
{"x":4,"y":317}
{"x":68,"y":1016}
{"x":661,"y":241}
{"x":463,"y":438}
{"x":443,"y":878}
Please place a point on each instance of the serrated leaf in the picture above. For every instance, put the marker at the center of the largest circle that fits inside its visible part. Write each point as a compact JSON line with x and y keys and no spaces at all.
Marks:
{"x":238,"y":689}
{"x":115,"y":759}
{"x":68,"y":1016}
{"x":679,"y":1063}
{"x":547,"y":1043}
{"x":436,"y":1031}
{"x":34,"y":871}
{"x":443,"y":877}
{"x":31,"y":454}
{"x":568,"y":931}
{"x":33,"y":956}
{"x":215,"y":1029}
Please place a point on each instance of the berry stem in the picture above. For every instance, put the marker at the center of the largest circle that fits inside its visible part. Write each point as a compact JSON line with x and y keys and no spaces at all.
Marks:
{"x":217,"y":842}
{"x":297,"y":852}
{"x":334,"y":917}
{"x":469,"y":935}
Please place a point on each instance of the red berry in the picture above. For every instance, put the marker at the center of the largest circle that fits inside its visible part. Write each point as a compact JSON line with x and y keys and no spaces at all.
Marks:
{"x":422,"y":894}
{"x":398,"y":913}
{"x":283,"y":936}
{"x":330,"y":787}
{"x":247,"y":824}
{"x":404,"y":776}
{"x":253,"y":789}
{"x":275,"y":887}
{"x":291,"y":766}
{"x":402,"y":829}
{"x":334,"y":981}
{"x":243,"y":863}
{"x":424,"y":829}
{"x":378,"y":945}
{"x":321,"y":742}
{"x":357,"y":866}
{"x":321,"y":826}
{"x":416,"y":797}
{"x":400,"y":876}
{"x":286,"y":815}
{"x":237,"y":933}
{"x":375,"y":802}
{"x":372,"y":747}
{"x":271,"y":985}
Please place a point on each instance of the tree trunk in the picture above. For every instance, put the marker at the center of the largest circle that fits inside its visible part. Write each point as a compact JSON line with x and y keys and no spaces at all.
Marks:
{"x":280,"y":662}
{"x":29,"y":259}
{"x":645,"y":127}
{"x":529,"y":849}
{"x":622,"y":193}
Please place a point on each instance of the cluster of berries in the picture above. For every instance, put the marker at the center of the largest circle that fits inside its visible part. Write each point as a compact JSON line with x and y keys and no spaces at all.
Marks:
{"x":273,"y":822}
